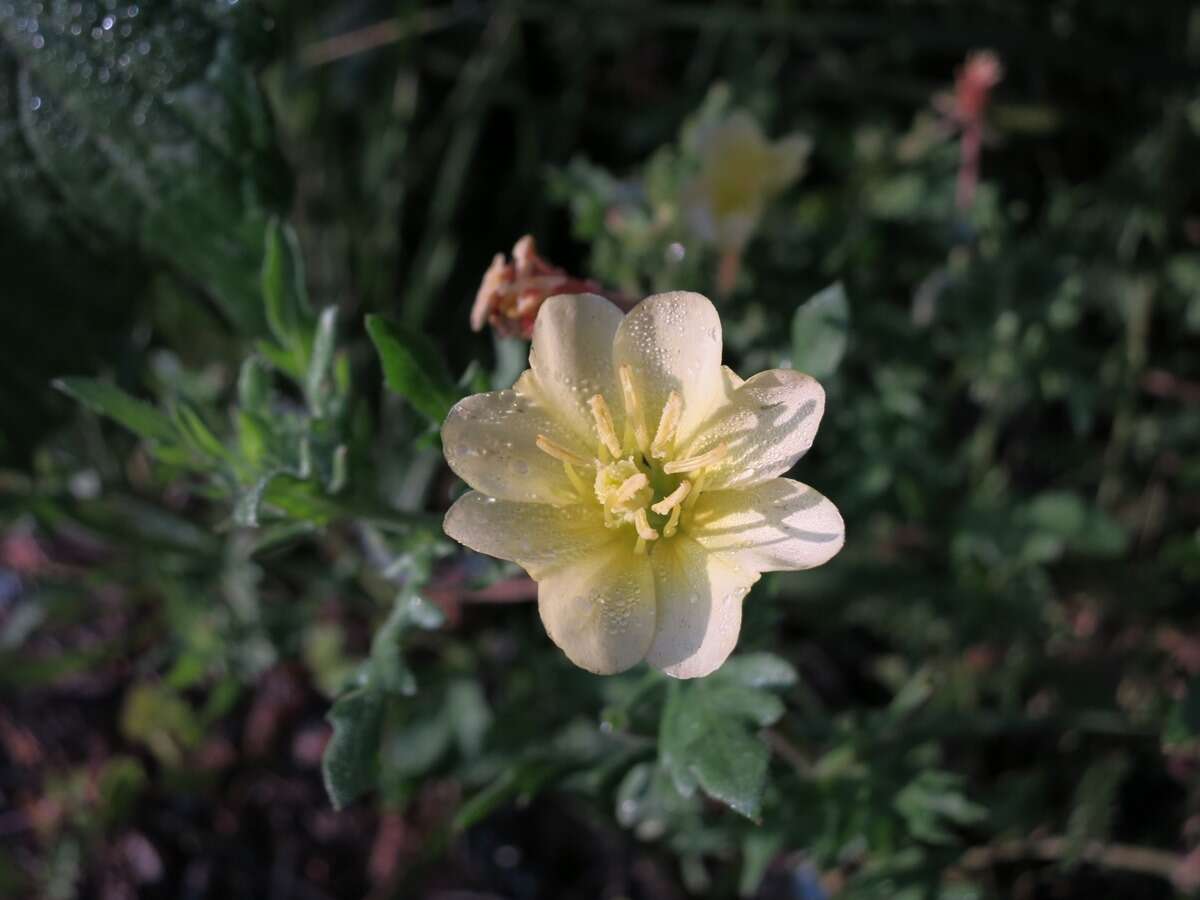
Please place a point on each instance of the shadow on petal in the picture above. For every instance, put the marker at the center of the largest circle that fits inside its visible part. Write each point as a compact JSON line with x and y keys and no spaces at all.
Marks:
{"x":778,"y":525}
{"x":699,"y":608}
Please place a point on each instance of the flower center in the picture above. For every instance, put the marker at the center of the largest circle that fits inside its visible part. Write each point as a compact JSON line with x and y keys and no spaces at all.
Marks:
{"x":638,"y":480}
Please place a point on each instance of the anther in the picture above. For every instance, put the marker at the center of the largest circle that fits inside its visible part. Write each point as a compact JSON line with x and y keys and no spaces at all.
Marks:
{"x":604,"y":425}
{"x":559,"y":452}
{"x":642,"y":524}
{"x":633,"y":410}
{"x":671,"y":502}
{"x":692,"y":463}
{"x":631,"y":486}
{"x":667,"y":424}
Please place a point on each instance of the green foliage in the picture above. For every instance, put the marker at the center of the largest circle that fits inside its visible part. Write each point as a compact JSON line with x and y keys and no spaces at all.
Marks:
{"x":819,"y":332}
{"x":413,"y":368}
{"x":992,"y":690}
{"x":705,"y":737}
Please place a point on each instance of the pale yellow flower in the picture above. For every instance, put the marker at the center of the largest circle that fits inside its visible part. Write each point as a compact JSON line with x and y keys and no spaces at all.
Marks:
{"x":635,"y":479}
{"x":741,"y":170}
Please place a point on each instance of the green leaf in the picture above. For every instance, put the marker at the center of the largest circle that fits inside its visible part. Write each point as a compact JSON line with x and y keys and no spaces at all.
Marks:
{"x":1095,"y":802}
{"x":759,"y":848}
{"x":318,"y":378}
{"x":171,"y":152}
{"x":196,"y":431}
{"x":413,"y":368}
{"x":351,"y":763}
{"x":1183,"y":722}
{"x":820,"y":329}
{"x":388,"y":671}
{"x":285,"y":294}
{"x":706,"y":736}
{"x":254,"y":385}
{"x":109,"y":400}
{"x":934,"y":802}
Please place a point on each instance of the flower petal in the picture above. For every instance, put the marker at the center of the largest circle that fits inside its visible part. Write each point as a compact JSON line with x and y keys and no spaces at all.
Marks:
{"x":768,"y":424}
{"x":536,"y":536}
{"x":600,"y":610}
{"x":672,"y":342}
{"x":780,"y":524}
{"x":571,"y":358}
{"x":699,"y":608}
{"x":490,"y":441}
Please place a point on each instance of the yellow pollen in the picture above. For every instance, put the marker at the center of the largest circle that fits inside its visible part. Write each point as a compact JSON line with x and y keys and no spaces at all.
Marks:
{"x":631,"y":486}
{"x":642,"y":524}
{"x":559,"y":452}
{"x":692,"y":463}
{"x":633,"y":410}
{"x":604,"y":425}
{"x":670,"y":503}
{"x":673,"y":522}
{"x":672,"y":410}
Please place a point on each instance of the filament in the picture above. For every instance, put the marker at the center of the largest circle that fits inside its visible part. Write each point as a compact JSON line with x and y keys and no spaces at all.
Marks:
{"x":692,"y":463}
{"x":559,"y":452}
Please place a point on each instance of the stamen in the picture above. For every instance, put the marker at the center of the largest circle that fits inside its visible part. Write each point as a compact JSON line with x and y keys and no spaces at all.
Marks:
{"x":697,"y":487}
{"x":691,"y":464}
{"x":673,"y":522}
{"x":559,"y":452}
{"x":639,"y":548}
{"x":631,"y":486}
{"x":633,"y":410}
{"x":576,"y":481}
{"x":642,"y":524}
{"x":672,"y":410}
{"x":604,"y":425}
{"x":671,"y":502}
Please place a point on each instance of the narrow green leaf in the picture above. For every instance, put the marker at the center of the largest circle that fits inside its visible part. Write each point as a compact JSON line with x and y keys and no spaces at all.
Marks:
{"x":820,"y":329}
{"x":284,"y":292}
{"x":413,"y":368}
{"x":254,"y":385}
{"x":351,"y":764}
{"x":109,"y":400}
{"x":318,"y":378}
{"x":196,"y":431}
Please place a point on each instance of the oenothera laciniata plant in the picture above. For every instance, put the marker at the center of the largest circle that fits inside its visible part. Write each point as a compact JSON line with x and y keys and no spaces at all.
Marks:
{"x":637,"y":480}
